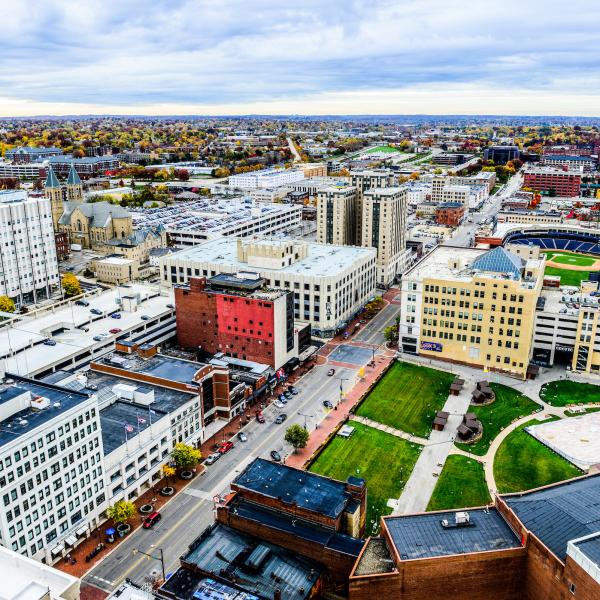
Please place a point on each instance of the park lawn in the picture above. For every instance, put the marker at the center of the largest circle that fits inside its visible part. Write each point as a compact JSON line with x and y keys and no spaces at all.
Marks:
{"x":388,"y":149}
{"x":567,"y":276}
{"x":508,"y":406}
{"x":563,"y":393}
{"x":564,"y":258}
{"x":383,"y":460}
{"x":524,"y":463}
{"x":407,"y":398}
{"x":461,"y":484}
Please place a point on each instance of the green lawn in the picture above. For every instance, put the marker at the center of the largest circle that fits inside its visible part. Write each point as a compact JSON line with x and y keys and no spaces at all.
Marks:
{"x":563,"y":392}
{"x":565,"y":258}
{"x":388,"y":149}
{"x":383,"y":460}
{"x":407,"y":397}
{"x":523,"y":463}
{"x":461,"y":484}
{"x":567,"y":276}
{"x":509,"y":405}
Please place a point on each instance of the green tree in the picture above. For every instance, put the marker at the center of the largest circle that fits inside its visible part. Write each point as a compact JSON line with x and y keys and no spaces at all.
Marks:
{"x":185,"y":456}
{"x":71,"y":285}
{"x":296,"y":436}
{"x":390,"y":333}
{"x":121,"y":511}
{"x":7,"y":304}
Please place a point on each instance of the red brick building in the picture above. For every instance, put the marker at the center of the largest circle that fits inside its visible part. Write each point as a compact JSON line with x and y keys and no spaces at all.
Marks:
{"x":450,"y":214}
{"x":237,"y":316}
{"x":63,"y":246}
{"x":558,"y":182}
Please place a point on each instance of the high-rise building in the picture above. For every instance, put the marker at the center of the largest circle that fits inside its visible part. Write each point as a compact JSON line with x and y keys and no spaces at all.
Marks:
{"x":336,"y":215}
{"x":552,"y":181}
{"x":384,"y":227}
{"x":29,"y":267}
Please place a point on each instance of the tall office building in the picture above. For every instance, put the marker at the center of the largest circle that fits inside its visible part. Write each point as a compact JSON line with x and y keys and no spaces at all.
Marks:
{"x":336,"y":215}
{"x":28,"y":263}
{"x":383,"y":227}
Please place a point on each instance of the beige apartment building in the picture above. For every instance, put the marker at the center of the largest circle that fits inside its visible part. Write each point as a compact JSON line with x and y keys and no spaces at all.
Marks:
{"x":472,"y":307}
{"x":384,"y":227}
{"x":336,"y":215}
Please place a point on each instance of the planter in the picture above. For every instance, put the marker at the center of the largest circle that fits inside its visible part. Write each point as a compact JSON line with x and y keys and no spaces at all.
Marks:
{"x":186,"y":474}
{"x":123,"y":529}
{"x":146,"y":509}
{"x":167,"y":491}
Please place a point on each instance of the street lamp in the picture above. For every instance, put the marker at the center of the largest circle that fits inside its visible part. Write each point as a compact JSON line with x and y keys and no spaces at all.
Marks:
{"x":342,"y":379}
{"x":159,"y":558}
{"x":305,"y":417}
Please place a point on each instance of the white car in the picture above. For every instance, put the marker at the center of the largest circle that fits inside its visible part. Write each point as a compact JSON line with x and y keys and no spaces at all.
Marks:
{"x":212,"y":458}
{"x":279,"y":404}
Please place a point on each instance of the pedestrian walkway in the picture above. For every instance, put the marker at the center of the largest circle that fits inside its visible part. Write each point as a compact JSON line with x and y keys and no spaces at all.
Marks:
{"x":421,"y":483}
{"x":391,"y":430}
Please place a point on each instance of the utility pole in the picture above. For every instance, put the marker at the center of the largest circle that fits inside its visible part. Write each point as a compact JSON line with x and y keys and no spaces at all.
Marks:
{"x":159,"y":558}
{"x":342,"y":379}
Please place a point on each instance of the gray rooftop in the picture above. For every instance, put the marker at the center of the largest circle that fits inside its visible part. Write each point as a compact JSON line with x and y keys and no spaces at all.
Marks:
{"x":422,"y":535}
{"x":560,"y":513}
{"x":100,"y":213}
{"x":591,"y":548}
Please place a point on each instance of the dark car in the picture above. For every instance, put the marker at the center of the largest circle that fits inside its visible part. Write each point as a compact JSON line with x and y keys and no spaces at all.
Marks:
{"x":116,"y":315}
{"x":293,"y":390}
{"x":95,"y":311}
{"x":281,"y":418}
{"x":170,"y":306}
{"x":327,"y":404}
{"x":49,"y":343}
{"x":288,"y":394}
{"x":242,"y":436}
{"x":151,"y":520}
{"x":275,"y":456}
{"x":331,"y":372}
{"x":144,"y":317}
{"x":282,"y":399}
{"x":82,"y":303}
{"x":115,"y":330}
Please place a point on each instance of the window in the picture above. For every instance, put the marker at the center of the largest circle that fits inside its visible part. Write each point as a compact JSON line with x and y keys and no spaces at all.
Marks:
{"x":572,"y":588}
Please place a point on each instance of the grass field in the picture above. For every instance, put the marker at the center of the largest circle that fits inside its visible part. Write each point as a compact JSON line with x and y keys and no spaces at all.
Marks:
{"x":407,"y":397}
{"x":562,"y":393}
{"x":461,"y":484}
{"x":567,"y":276}
{"x":388,"y":149}
{"x":383,"y":460}
{"x":509,"y":405}
{"x":565,"y":258}
{"x":523,"y":463}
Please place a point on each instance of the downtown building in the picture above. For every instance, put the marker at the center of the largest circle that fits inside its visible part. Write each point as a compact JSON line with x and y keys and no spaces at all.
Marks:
{"x":266,"y":178}
{"x":28,"y":261}
{"x":552,"y":181}
{"x":336,"y":215}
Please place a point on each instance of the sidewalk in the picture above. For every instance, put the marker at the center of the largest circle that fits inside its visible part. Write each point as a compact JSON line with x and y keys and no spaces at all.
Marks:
{"x":387,"y":429}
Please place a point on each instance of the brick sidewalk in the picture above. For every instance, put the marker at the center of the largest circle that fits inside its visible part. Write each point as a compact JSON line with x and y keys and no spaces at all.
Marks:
{"x":319,"y":436}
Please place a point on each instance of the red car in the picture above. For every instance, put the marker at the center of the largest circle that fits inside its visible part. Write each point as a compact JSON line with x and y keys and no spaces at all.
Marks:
{"x":151,"y":520}
{"x":115,"y":330}
{"x":225,"y":447}
{"x":259,"y":416}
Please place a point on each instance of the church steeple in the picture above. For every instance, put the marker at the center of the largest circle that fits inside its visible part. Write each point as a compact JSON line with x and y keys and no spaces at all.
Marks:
{"x":53,"y":192}
{"x":74,"y":186}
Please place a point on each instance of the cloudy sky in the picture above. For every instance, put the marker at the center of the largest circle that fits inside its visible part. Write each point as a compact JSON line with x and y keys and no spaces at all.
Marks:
{"x":310,"y":57}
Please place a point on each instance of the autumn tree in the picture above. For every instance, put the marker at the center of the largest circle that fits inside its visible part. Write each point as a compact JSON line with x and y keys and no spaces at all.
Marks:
{"x":71,"y":285}
{"x":121,"y":511}
{"x":185,"y":456}
{"x":7,"y":304}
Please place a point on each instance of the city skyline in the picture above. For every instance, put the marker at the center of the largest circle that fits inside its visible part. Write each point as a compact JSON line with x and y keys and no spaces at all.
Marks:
{"x":404,"y":57}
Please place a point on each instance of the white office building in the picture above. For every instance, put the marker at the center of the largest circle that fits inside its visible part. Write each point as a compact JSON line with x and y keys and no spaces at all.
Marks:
{"x":266,"y":178}
{"x":28,"y":263}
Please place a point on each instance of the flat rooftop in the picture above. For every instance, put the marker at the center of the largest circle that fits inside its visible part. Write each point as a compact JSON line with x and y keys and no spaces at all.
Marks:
{"x":312,"y":492}
{"x":323,"y":260}
{"x":376,"y":558}
{"x":438,"y":263}
{"x":422,"y":536}
{"x":561,"y":512}
{"x":24,"y":421}
{"x":590,"y":547}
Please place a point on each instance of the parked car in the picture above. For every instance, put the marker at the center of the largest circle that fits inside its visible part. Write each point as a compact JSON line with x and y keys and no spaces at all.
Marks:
{"x":278,"y":404}
{"x":151,"y":520}
{"x":170,"y":306}
{"x":281,"y":418}
{"x":225,"y":447}
{"x":115,"y":315}
{"x":275,"y":456}
{"x":49,"y":342}
{"x":95,"y":311}
{"x":144,"y":317}
{"x":288,"y":394}
{"x":212,"y":458}
{"x":260,"y":417}
{"x":331,"y":372}
{"x":282,"y":399}
{"x":100,"y":337}
{"x":115,"y":330}
{"x":327,"y":404}
{"x":242,"y":436}
{"x":82,"y":303}
{"x":83,"y":328}
{"x":293,"y":390}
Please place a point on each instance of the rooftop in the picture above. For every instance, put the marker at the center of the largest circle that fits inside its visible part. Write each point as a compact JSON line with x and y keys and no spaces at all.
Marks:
{"x":323,"y":260}
{"x":561,"y":512}
{"x":294,"y":487}
{"x":376,"y":558}
{"x":439,"y":262}
{"x":590,"y":546}
{"x":422,"y":535}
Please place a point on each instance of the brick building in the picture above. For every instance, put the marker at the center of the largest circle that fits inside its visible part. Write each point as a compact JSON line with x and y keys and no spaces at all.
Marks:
{"x":239,"y":316}
{"x":552,"y":181}
{"x":450,"y":214}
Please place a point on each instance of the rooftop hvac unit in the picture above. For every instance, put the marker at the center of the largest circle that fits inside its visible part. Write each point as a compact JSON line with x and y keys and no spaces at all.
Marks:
{"x":40,"y":403}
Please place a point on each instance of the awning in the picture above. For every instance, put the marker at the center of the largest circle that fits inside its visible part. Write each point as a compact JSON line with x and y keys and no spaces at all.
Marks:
{"x":71,"y":540}
{"x":306,"y":354}
{"x":57,"y":549}
{"x":82,"y":530}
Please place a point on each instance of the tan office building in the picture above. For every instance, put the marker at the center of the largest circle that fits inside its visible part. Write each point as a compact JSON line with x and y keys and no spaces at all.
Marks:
{"x":383,"y":227}
{"x":472,"y":307}
{"x":336,"y":215}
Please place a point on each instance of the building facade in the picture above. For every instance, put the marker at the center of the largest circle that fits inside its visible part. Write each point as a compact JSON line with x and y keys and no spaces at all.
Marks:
{"x":29,"y":154}
{"x":552,"y":181}
{"x":267,"y":178}
{"x":336,"y":215}
{"x":450,"y":214}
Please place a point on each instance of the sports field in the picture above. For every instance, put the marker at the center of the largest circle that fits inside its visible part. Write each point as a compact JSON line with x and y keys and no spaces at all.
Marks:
{"x":388,"y":149}
{"x":568,"y":276}
{"x":567,"y":258}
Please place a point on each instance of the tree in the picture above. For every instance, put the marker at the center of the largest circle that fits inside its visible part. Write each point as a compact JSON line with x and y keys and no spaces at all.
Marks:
{"x":71,"y":285}
{"x":185,"y":456}
{"x":390,"y":333}
{"x":121,"y":511}
{"x":296,"y":436}
{"x":7,"y":304}
{"x":168,"y":471}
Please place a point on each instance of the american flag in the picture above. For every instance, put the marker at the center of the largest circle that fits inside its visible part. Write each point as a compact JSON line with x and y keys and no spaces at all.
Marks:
{"x":128,"y":428}
{"x":141,"y":420}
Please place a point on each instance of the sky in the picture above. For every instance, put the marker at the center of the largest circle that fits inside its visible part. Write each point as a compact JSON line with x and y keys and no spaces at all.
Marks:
{"x":228,"y":57}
